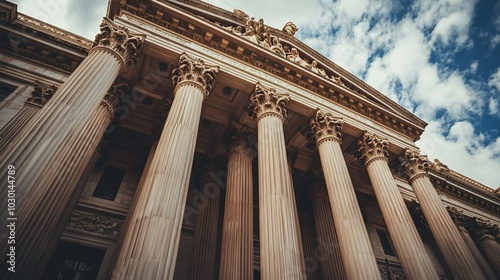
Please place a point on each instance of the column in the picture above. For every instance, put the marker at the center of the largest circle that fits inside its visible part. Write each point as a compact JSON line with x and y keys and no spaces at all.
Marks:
{"x":237,"y":232}
{"x":355,"y":246}
{"x":39,"y":97}
{"x":204,"y":246}
{"x":453,"y":247}
{"x":328,"y":254}
{"x":151,"y":242}
{"x":279,"y":242}
{"x":409,"y":247}
{"x":51,"y":153}
{"x":486,"y":241}
{"x":460,"y":222}
{"x":311,"y":262}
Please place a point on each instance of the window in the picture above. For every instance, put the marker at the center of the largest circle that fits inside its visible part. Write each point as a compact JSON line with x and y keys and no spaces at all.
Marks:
{"x":74,"y":262}
{"x":110,"y":182}
{"x":5,"y":90}
{"x":385,"y":242}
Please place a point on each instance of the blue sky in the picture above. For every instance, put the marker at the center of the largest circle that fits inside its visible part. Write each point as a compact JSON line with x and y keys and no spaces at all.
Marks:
{"x":438,"y":59}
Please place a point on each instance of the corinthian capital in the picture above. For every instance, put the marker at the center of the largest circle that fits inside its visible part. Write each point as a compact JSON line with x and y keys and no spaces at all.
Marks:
{"x":194,"y":71}
{"x":415,"y":164}
{"x":239,"y":138}
{"x":372,"y":147}
{"x":265,"y":101}
{"x":118,"y":39}
{"x":325,"y":126}
{"x":41,"y":93}
{"x":113,"y":96}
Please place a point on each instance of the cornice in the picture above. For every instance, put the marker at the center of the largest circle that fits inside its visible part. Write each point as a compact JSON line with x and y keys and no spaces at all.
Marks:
{"x":208,"y":33}
{"x":44,"y":43}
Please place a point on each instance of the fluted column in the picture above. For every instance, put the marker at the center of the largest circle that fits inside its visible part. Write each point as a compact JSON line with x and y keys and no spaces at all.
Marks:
{"x":453,"y":247}
{"x":488,"y":244}
{"x":279,"y":242}
{"x":237,"y":232}
{"x":204,"y":246}
{"x":460,"y":221}
{"x":39,"y":97}
{"x":52,"y":150}
{"x":355,"y":246}
{"x":329,"y":255}
{"x":410,"y":249}
{"x":311,"y":262}
{"x":150,"y":245}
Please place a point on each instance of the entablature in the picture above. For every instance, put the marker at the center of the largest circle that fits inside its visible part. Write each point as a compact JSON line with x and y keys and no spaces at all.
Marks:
{"x":343,"y":89}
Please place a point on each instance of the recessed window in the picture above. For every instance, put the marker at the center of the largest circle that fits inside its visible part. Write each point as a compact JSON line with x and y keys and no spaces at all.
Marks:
{"x":74,"y":262}
{"x":5,"y":90}
{"x":110,"y":182}
{"x":386,"y":242}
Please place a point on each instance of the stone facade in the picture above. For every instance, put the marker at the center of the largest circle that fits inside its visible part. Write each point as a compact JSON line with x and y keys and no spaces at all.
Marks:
{"x":191,"y":142}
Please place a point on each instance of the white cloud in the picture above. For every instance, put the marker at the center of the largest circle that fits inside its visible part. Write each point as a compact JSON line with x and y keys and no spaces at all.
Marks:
{"x":494,"y":81}
{"x":463,"y":150}
{"x":493,"y":106}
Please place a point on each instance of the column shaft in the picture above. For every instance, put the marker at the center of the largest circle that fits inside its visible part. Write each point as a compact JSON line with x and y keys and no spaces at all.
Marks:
{"x":453,"y":247}
{"x":491,"y":249}
{"x":328,"y":254}
{"x":280,"y":246}
{"x":204,"y":246}
{"x":311,"y":262}
{"x":14,"y":126}
{"x":237,"y":233}
{"x":151,"y":242}
{"x":357,"y":252}
{"x":486,"y":268}
{"x":409,"y":247}
{"x":39,"y":230}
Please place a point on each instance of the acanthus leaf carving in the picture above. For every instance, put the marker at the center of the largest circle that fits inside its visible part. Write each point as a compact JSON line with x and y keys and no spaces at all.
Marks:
{"x":194,"y":71}
{"x":41,"y":93}
{"x":113,"y":96}
{"x":371,"y":147}
{"x":414,"y":164}
{"x":325,"y":126}
{"x":264,"y":101}
{"x":120,"y":40}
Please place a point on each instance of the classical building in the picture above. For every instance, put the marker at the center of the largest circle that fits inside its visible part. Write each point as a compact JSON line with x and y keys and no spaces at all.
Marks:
{"x":191,"y":142}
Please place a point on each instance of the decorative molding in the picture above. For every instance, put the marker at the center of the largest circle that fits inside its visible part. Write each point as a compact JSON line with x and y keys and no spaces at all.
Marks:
{"x":414,"y":164}
{"x":41,"y":93}
{"x":125,"y":44}
{"x":372,"y":147}
{"x":266,"y":101}
{"x":375,"y":109}
{"x":95,"y":223}
{"x":194,"y":71}
{"x":397,"y":273}
{"x":324,"y":126}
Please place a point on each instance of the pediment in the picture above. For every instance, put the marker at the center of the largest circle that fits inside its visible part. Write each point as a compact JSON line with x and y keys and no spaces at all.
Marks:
{"x":277,"y":51}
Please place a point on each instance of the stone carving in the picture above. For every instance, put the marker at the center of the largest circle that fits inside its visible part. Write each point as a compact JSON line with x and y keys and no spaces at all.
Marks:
{"x":439,"y":166}
{"x":418,"y":218}
{"x":95,"y":223}
{"x":194,"y":71}
{"x":290,"y":28}
{"x":113,"y":95}
{"x":240,"y":14}
{"x":41,"y":93}
{"x":414,"y":164}
{"x":371,"y":147}
{"x":119,"y":39}
{"x":325,"y":126}
{"x":267,"y":101}
{"x":294,"y":56}
{"x":316,"y":69}
{"x":238,"y":137}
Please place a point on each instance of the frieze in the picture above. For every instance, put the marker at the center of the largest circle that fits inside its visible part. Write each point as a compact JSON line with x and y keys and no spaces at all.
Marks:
{"x":246,"y":55}
{"x":95,"y":223}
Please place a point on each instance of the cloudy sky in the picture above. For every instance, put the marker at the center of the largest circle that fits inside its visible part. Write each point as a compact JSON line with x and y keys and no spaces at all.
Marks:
{"x":438,"y":59}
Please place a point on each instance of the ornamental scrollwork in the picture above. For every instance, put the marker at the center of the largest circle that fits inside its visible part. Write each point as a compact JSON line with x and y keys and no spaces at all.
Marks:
{"x":112,"y":97}
{"x":95,"y":224}
{"x":414,"y":163}
{"x":194,"y":70}
{"x":119,"y":39}
{"x":239,"y":138}
{"x":325,"y":126}
{"x":264,"y":101}
{"x":41,"y":93}
{"x":371,"y":147}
